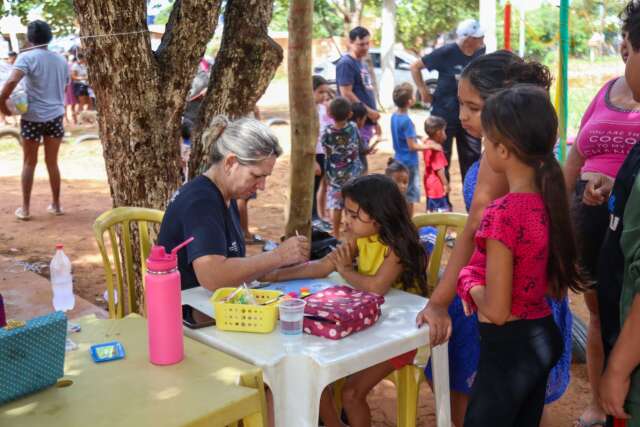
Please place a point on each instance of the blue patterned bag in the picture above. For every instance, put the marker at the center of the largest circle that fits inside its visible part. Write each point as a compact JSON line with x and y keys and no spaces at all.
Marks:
{"x":32,"y":356}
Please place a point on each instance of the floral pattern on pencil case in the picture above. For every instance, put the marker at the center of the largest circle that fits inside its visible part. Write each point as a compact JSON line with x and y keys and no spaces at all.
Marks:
{"x":340,"y":311}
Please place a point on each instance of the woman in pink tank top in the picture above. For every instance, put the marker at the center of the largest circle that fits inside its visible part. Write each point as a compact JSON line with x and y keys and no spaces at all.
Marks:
{"x":609,"y":129}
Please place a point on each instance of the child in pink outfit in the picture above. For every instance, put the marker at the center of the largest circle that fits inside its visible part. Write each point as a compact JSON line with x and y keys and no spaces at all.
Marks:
{"x":519,"y":221}
{"x":436,"y":185}
{"x":524,"y":252}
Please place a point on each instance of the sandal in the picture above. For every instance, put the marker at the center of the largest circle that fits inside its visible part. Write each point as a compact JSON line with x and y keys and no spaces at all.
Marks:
{"x":55,"y":211}
{"x":21,"y":215}
{"x":595,"y":423}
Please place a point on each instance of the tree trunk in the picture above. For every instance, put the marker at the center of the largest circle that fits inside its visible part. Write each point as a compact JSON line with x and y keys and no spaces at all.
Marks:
{"x":304,"y":120}
{"x":140,"y":94}
{"x":244,"y":67}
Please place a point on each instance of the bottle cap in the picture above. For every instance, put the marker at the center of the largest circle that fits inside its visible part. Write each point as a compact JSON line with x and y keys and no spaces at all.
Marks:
{"x":160,"y":260}
{"x":59,"y":246}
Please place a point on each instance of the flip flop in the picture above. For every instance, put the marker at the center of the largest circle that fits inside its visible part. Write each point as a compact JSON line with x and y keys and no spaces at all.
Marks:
{"x":595,"y":423}
{"x":54,"y":211}
{"x":21,"y":215}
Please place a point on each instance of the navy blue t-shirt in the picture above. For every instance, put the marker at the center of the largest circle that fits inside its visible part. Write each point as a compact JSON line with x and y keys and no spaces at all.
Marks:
{"x":197,"y":209}
{"x":354,"y":73}
{"x":449,"y":61}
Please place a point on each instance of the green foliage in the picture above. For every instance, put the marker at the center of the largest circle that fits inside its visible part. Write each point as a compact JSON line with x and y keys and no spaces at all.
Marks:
{"x":542,"y":27}
{"x":420,"y":22}
{"x":326,"y":20}
{"x":58,"y":13}
{"x":163,"y":16}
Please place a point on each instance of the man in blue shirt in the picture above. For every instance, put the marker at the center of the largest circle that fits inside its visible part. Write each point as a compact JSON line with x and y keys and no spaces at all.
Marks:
{"x":449,"y":60}
{"x":352,"y":75}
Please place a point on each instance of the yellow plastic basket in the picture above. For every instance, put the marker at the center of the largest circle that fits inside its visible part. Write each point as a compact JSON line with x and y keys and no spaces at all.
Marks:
{"x":243,"y":317}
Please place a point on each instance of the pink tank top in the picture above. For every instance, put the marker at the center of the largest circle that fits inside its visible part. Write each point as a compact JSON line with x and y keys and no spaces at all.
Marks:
{"x":607,"y":134}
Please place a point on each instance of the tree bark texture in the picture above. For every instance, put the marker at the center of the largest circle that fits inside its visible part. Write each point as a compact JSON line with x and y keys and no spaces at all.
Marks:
{"x":304,"y":119}
{"x":141,"y":94}
{"x":244,"y":67}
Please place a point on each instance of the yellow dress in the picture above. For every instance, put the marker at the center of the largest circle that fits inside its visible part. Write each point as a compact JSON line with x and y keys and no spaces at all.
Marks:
{"x":371,"y":255}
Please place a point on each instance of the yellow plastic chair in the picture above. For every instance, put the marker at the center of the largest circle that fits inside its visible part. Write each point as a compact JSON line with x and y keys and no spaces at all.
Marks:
{"x":408,"y":379}
{"x":121,"y":218}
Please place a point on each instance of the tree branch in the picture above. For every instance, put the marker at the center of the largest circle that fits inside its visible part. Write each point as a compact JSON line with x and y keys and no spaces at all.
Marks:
{"x":344,"y":12}
{"x":184,"y":43}
{"x":246,"y":63}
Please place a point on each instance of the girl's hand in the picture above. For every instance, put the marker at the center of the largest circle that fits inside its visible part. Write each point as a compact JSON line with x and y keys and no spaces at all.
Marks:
{"x":613,"y":392}
{"x":468,"y":311}
{"x":437,"y":317}
{"x":318,"y":170}
{"x":342,"y":258}
{"x":476,"y":291}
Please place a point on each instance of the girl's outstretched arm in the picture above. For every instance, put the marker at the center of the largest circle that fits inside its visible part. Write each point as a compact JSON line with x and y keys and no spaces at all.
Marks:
{"x":490,"y":186}
{"x":494,"y":299}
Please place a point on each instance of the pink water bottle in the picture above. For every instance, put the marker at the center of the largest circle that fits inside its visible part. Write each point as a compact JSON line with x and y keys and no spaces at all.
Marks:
{"x":164,"y":306}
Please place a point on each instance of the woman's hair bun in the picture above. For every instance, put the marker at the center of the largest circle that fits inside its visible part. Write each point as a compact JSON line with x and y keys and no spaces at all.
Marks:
{"x":530,"y":72}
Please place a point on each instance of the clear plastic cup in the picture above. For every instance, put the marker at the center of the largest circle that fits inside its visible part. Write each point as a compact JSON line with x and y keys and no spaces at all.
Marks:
{"x":291,"y":316}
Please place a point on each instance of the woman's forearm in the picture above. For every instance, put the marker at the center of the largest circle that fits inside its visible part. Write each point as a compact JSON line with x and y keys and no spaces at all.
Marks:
{"x":625,"y":355}
{"x":307,"y":270}
{"x":216,"y":271}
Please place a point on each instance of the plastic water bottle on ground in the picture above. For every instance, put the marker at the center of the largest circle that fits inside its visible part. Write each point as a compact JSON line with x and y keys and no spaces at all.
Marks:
{"x":61,"y":281}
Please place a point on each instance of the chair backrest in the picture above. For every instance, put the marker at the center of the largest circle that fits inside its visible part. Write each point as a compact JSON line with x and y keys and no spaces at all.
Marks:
{"x":442,"y":222}
{"x":117,"y":223}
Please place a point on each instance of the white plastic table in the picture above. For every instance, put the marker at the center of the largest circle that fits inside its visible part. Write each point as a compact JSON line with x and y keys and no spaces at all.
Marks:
{"x":298,"y":369}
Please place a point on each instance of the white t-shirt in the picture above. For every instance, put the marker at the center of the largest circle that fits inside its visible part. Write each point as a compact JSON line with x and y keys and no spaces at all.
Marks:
{"x":45,"y":77}
{"x":81,"y":71}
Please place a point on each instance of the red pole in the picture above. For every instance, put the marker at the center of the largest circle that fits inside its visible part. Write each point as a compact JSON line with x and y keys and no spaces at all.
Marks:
{"x":507,"y":25}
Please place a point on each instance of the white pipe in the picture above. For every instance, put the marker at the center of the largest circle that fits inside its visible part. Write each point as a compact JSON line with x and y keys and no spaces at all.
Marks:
{"x":522,"y":30}
{"x":387,"y":57}
{"x":488,"y":23}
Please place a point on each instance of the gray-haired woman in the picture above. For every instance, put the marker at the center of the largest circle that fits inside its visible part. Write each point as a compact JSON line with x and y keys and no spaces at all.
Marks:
{"x":243,"y":153}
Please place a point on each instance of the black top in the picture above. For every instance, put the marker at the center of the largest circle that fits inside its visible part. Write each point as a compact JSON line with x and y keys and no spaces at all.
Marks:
{"x":449,"y":61}
{"x":198,"y":209}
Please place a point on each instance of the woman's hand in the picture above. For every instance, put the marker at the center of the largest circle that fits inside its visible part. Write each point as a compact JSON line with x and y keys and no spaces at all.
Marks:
{"x":294,"y":250}
{"x":437,"y":317}
{"x":342,"y":258}
{"x":318,"y":169}
{"x":613,"y":392}
{"x":597,"y":190}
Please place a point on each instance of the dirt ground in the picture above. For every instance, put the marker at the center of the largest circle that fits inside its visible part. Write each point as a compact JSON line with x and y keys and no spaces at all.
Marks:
{"x":85,"y":194}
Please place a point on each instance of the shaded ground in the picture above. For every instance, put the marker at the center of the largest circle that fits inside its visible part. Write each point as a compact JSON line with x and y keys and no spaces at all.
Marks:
{"x":85,"y":194}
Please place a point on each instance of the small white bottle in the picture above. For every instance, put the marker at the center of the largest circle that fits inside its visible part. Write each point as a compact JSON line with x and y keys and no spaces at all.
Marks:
{"x":61,"y":281}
